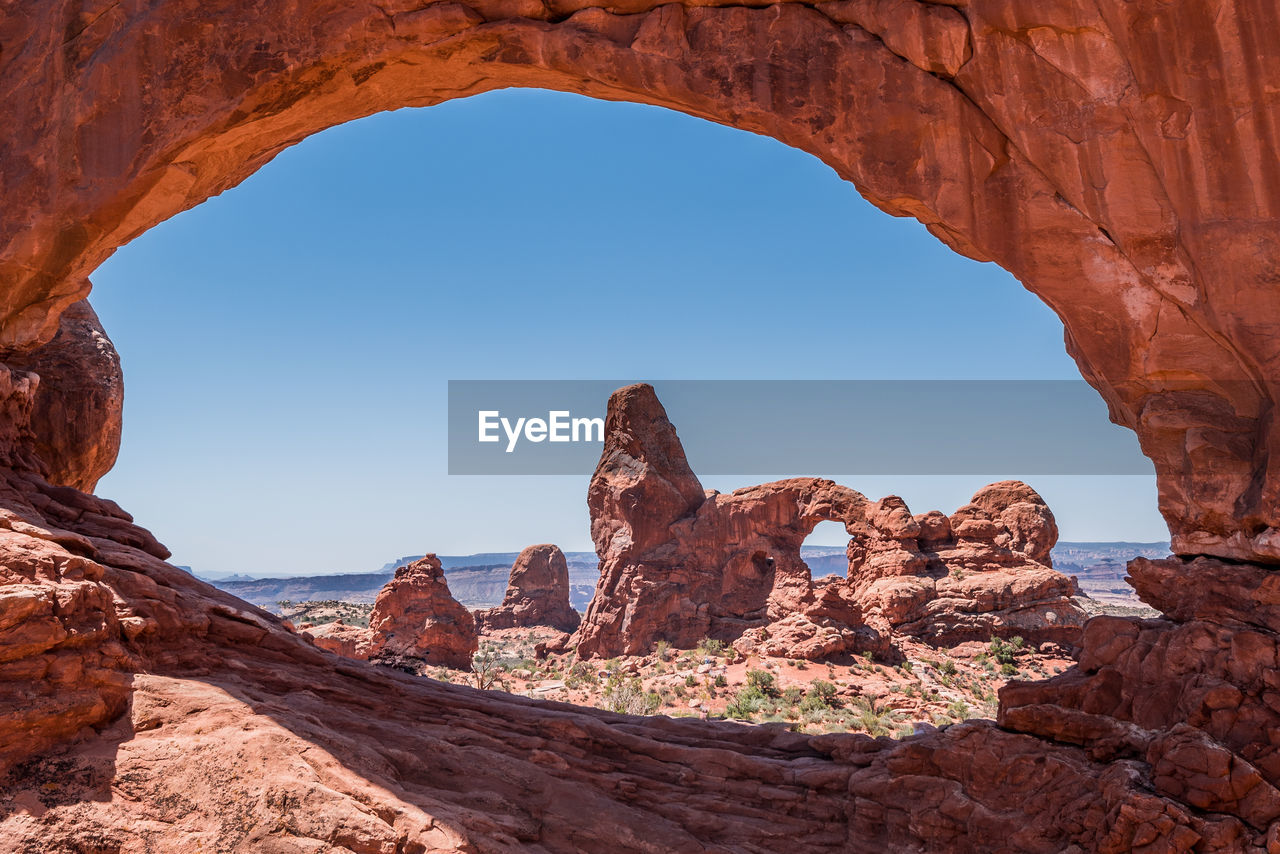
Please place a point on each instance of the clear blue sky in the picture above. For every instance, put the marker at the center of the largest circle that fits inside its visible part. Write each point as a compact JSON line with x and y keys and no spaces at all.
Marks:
{"x":287,"y":345}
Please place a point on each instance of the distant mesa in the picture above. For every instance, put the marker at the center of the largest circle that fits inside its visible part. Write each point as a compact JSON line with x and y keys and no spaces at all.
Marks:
{"x":679,"y":564}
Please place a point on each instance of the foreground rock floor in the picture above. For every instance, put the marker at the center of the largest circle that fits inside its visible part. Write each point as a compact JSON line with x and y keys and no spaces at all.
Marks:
{"x":236,"y":760}
{"x":142,"y":710}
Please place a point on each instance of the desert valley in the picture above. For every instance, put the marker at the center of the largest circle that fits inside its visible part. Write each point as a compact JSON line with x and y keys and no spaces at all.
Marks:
{"x":932,"y":616}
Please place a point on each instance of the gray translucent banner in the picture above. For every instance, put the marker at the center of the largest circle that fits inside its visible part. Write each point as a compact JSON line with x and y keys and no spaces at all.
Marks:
{"x":803,"y":427}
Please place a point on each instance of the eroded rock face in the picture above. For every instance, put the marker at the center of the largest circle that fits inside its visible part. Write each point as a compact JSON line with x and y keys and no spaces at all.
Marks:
{"x":677,"y":565}
{"x":537,"y":594}
{"x":415,"y":617}
{"x":983,"y":572}
{"x":337,"y":637}
{"x":76,"y":414}
{"x":1117,"y":157}
{"x":181,"y":716}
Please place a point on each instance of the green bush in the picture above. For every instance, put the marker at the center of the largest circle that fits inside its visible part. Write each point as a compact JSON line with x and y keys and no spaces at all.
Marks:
{"x":820,"y":696}
{"x":630,"y":698}
{"x":746,"y":703}
{"x":711,"y":647}
{"x":763,"y":681}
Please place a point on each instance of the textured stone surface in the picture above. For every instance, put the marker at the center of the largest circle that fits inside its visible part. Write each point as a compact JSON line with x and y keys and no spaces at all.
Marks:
{"x":416,"y":618}
{"x":350,"y":641}
{"x":76,"y":415}
{"x":1119,"y":158}
{"x":173,"y":718}
{"x":679,"y":565}
{"x":537,"y":593}
{"x":1193,"y":700}
{"x":984,"y":571}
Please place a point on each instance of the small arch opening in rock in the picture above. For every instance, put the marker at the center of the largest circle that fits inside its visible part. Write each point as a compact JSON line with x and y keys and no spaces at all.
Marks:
{"x":825,"y":551}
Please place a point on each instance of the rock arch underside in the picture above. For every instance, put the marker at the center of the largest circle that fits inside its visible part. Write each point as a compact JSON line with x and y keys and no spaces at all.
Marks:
{"x":1119,"y":158}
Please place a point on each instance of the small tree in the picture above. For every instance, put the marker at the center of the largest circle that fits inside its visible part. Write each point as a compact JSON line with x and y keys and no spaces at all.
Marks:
{"x":485,"y":668}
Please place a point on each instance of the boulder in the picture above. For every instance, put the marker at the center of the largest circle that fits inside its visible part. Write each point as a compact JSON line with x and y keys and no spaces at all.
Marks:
{"x":416,"y":618}
{"x":537,"y":594}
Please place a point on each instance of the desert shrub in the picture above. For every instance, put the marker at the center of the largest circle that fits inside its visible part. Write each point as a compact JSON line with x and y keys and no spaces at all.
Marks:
{"x":948,"y":667}
{"x":711,"y":647}
{"x":630,"y":698}
{"x":958,"y":709}
{"x":720,"y":681}
{"x":875,"y":723}
{"x":1008,"y":669}
{"x":662,"y":649}
{"x":746,"y":703}
{"x":485,"y":667}
{"x":763,"y":681}
{"x":1004,"y":652}
{"x":792,"y":695}
{"x":820,"y":697}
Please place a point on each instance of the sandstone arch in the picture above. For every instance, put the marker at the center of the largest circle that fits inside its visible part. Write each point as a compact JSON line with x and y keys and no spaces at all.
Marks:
{"x":1119,"y":158}
{"x":1069,"y":144}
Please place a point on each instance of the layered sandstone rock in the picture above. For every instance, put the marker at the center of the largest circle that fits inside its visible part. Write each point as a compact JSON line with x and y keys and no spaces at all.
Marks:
{"x":351,"y":641}
{"x":983,"y":572}
{"x":1190,"y":698}
{"x":416,"y":618}
{"x":677,"y":565}
{"x":537,"y":594}
{"x":1119,"y":158}
{"x":76,"y":414}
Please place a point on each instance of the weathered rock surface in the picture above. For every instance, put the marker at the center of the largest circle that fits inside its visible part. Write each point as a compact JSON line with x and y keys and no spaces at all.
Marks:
{"x":537,"y":594}
{"x":679,"y":565}
{"x":146,"y":710}
{"x":983,"y":572}
{"x":415,"y":618}
{"x":1117,"y":157}
{"x":351,"y":641}
{"x":76,"y":414}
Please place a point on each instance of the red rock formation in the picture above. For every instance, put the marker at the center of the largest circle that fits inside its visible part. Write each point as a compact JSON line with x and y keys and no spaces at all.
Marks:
{"x":984,"y":572}
{"x":416,"y":618}
{"x":1118,"y":158}
{"x":678,"y":569}
{"x":678,"y":564}
{"x":537,"y":594}
{"x":351,"y":641}
{"x":75,"y":420}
